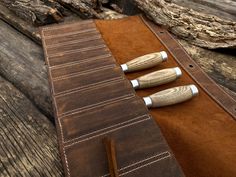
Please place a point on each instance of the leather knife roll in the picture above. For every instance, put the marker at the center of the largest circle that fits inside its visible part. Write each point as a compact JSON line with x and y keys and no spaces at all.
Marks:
{"x":93,"y":99}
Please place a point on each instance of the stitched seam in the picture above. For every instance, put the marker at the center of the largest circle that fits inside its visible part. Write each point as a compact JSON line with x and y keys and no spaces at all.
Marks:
{"x":97,"y":104}
{"x":146,"y":159}
{"x":84,"y":39}
{"x":141,"y":161}
{"x":113,"y":130}
{"x":88,"y":86}
{"x":63,"y":148}
{"x":86,"y":60}
{"x":92,"y":88}
{"x":85,"y":49}
{"x":97,"y":107}
{"x":109,"y":127}
{"x":52,"y":27}
{"x":90,"y":71}
{"x":145,"y":165}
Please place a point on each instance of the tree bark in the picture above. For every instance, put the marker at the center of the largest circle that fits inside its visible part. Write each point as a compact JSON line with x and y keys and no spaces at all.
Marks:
{"x":28,"y":141}
{"x":37,"y":11}
{"x":224,"y":9}
{"x":197,"y":28}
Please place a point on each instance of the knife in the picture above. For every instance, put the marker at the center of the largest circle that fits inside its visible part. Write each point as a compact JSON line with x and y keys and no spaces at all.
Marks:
{"x":156,"y":78}
{"x":171,"y":96}
{"x":145,"y":61}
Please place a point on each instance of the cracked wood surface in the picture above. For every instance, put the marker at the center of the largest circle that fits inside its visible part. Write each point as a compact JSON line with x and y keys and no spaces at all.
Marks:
{"x":197,"y":28}
{"x":36,"y":11}
{"x":28,"y":141}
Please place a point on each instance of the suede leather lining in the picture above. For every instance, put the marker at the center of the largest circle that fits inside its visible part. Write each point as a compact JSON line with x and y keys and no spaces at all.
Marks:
{"x":201,"y":134}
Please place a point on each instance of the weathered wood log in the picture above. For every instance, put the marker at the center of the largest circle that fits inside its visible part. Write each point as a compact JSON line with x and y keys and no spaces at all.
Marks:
{"x":28,"y":141}
{"x":22,"y":63}
{"x":37,"y":11}
{"x":125,"y":6}
{"x":219,"y":66}
{"x":27,"y":28}
{"x":85,"y":8}
{"x":19,"y":23}
{"x":91,"y":9}
{"x":197,"y":28}
{"x":224,"y":9}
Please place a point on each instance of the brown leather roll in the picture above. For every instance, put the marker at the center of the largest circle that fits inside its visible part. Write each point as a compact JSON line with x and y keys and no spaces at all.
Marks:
{"x":202,"y":131}
{"x":94,"y":99}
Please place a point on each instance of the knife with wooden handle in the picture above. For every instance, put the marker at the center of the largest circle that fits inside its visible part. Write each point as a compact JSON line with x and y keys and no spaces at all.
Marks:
{"x":171,"y":96}
{"x":156,"y":78}
{"x":145,"y":61}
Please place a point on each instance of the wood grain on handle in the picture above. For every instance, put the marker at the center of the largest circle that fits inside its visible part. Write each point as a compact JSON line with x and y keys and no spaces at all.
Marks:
{"x":172,"y":96}
{"x":144,"y":62}
{"x":158,"y":77}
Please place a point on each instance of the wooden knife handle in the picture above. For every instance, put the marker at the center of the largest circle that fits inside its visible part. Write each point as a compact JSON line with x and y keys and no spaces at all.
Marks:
{"x":171,"y":96}
{"x":157,"y":78}
{"x":144,"y":62}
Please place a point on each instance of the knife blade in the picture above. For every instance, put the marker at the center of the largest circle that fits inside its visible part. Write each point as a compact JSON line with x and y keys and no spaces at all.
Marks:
{"x":156,"y":78}
{"x":171,"y":96}
{"x":145,"y":61}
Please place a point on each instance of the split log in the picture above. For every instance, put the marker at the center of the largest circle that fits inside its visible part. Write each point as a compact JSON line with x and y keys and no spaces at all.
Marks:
{"x":22,"y":63}
{"x":85,"y":8}
{"x":91,"y":9}
{"x":224,"y":9}
{"x":28,"y":139}
{"x":197,"y":28}
{"x":27,"y":28}
{"x":20,"y":24}
{"x":36,"y":11}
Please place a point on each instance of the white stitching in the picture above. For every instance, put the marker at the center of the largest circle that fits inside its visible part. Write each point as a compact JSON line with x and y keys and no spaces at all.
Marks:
{"x":85,"y":49}
{"x":146,"y":159}
{"x":109,"y":131}
{"x":52,"y":27}
{"x":90,"y":71}
{"x":76,"y":111}
{"x":86,"y":60}
{"x":100,"y":130}
{"x":148,"y":164}
{"x":86,"y":32}
{"x":64,"y":153}
{"x":71,"y":42}
{"x":96,"y":104}
{"x":138,"y":162}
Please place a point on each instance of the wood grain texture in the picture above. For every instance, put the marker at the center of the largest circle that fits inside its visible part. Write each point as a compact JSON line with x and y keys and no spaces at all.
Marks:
{"x":144,"y":62}
{"x":21,"y":62}
{"x":171,"y":96}
{"x":197,"y":28}
{"x":28,"y":141}
{"x":157,"y":78}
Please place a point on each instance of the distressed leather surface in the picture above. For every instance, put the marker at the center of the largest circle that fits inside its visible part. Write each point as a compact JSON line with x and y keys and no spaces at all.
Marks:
{"x":201,"y":132}
{"x":93,"y":99}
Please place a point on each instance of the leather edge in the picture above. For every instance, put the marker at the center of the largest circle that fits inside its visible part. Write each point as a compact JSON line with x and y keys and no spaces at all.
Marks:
{"x":192,"y":68}
{"x":56,"y":120}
